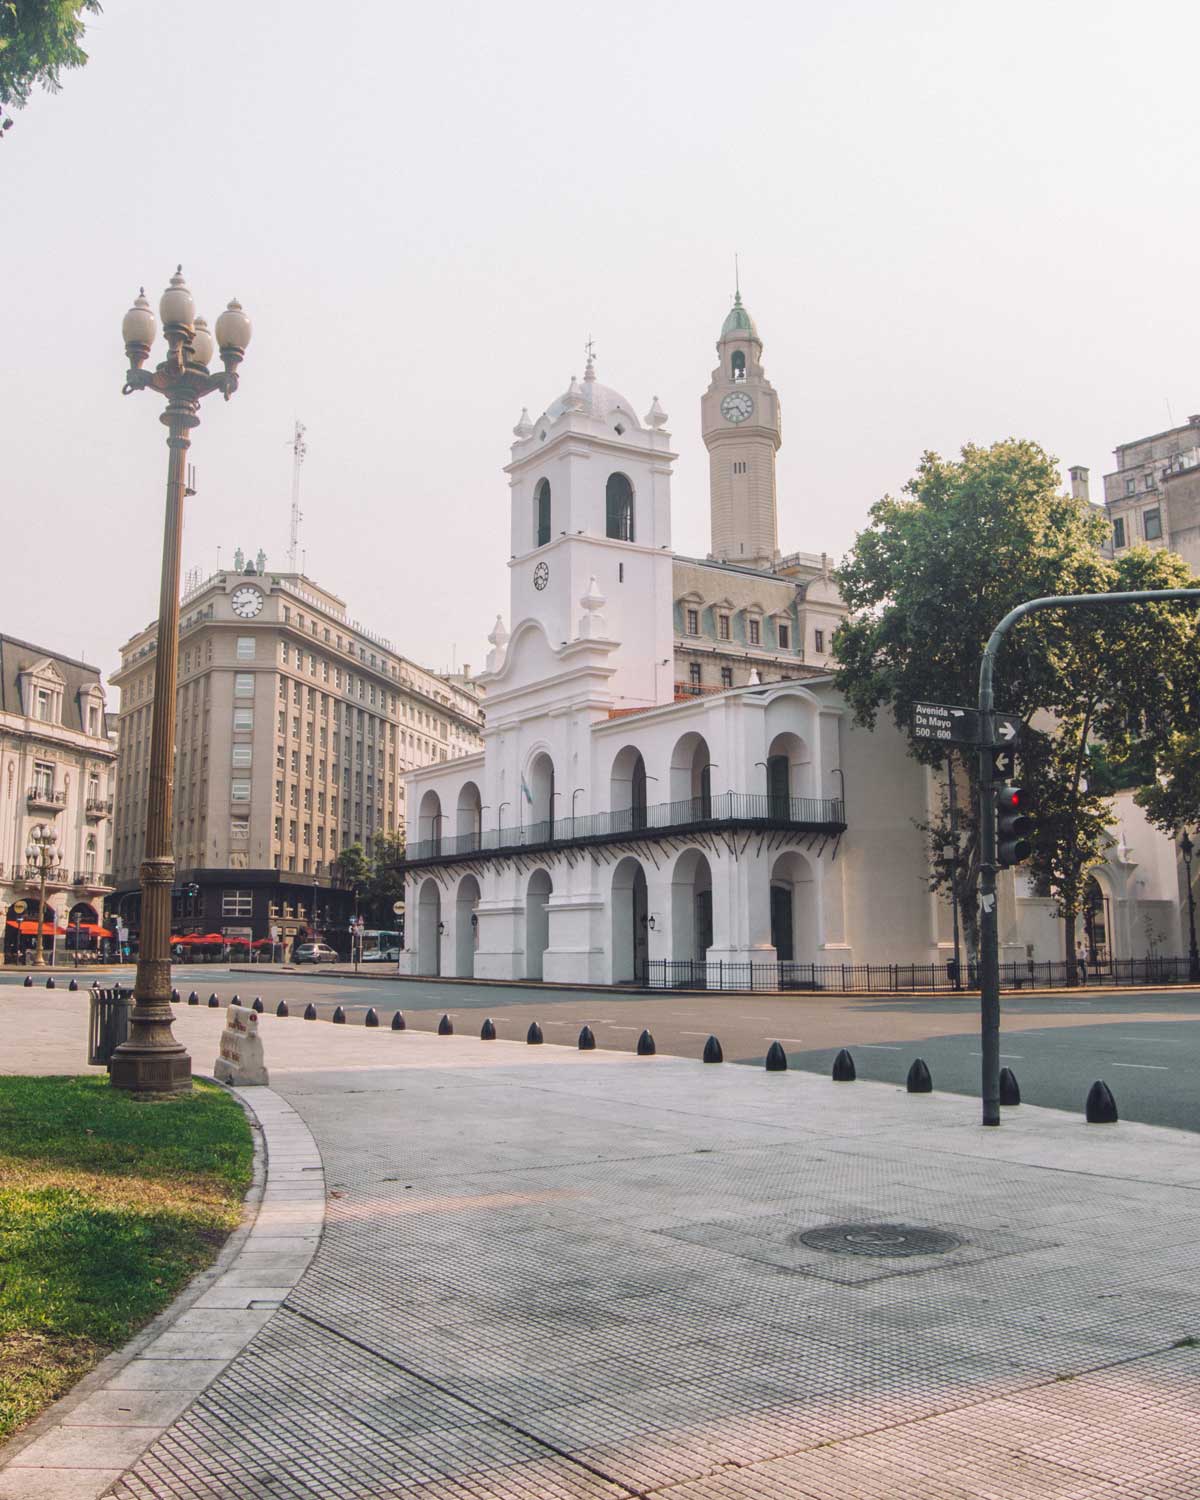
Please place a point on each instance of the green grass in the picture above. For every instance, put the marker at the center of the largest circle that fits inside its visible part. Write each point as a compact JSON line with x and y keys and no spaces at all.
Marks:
{"x":108,"y":1207}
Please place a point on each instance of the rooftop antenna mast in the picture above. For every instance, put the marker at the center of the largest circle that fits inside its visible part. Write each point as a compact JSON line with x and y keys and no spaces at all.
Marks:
{"x":299,"y":450}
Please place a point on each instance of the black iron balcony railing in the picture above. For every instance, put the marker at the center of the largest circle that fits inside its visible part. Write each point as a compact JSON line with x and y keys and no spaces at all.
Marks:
{"x":41,"y":796}
{"x":721,"y":810}
{"x":32,"y":874}
{"x":98,"y":807}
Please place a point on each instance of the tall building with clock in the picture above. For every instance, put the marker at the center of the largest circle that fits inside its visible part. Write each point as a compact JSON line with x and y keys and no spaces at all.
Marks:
{"x":740,"y":424}
{"x":294,"y":726}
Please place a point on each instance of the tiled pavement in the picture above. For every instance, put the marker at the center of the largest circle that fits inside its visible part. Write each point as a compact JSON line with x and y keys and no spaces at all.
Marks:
{"x":546,"y":1273}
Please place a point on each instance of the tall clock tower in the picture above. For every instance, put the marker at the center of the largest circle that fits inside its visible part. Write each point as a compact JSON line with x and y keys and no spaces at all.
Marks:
{"x":739,"y":418}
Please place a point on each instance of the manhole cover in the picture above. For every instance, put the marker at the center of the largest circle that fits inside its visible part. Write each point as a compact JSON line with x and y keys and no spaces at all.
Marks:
{"x":877,"y":1239}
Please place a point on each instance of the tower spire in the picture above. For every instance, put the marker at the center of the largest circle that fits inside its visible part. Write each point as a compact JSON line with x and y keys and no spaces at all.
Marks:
{"x":737,"y":284}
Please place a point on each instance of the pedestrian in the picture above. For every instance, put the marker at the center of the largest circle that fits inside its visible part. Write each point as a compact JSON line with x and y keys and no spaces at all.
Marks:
{"x":1081,"y":963}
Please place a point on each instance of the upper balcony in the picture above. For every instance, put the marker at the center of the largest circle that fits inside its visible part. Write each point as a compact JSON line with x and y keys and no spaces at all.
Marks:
{"x":56,"y":875}
{"x":45,"y":799}
{"x":723,"y":810}
{"x":94,"y":880}
{"x":98,"y":807}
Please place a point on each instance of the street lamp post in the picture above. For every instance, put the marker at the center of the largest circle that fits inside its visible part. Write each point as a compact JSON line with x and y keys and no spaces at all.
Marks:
{"x":1186,"y":848}
{"x":152,"y":1061}
{"x":42,"y":853}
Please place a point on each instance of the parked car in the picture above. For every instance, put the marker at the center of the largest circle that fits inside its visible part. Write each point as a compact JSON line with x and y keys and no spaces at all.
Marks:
{"x":314,"y":953}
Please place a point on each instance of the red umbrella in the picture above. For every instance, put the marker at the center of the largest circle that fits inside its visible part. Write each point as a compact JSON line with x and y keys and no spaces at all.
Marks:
{"x":29,"y":929}
{"x":239,"y":942}
{"x":264,"y":943}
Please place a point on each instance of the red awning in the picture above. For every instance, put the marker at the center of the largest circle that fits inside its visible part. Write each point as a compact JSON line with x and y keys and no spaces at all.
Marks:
{"x":29,"y":929}
{"x":94,"y":928}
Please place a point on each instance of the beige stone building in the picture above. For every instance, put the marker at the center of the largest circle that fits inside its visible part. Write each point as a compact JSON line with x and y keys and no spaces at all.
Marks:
{"x":294,"y":725}
{"x":1153,"y":495}
{"x":747,"y":611}
{"x":57,"y":764}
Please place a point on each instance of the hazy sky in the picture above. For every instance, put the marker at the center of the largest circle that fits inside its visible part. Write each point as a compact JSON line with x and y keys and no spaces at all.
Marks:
{"x":957,"y":222}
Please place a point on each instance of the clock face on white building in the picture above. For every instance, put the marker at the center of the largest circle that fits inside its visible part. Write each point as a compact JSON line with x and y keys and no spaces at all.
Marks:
{"x":541,"y":576}
{"x":246,"y":602}
{"x":738,"y":406}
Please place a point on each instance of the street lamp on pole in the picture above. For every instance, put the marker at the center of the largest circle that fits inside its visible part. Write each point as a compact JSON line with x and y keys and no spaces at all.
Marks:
{"x":42,"y":854}
{"x":152,"y":1061}
{"x":1186,"y":848}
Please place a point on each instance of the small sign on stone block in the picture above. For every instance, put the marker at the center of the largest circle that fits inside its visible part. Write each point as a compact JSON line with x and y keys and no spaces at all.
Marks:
{"x":241,"y":1058}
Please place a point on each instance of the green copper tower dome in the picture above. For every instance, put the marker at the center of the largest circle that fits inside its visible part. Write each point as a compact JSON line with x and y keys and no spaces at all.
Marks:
{"x":738,"y":323}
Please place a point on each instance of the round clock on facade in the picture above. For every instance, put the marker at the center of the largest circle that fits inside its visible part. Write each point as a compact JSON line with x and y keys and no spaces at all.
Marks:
{"x":246,"y":602}
{"x":541,"y":576}
{"x":738,"y":406}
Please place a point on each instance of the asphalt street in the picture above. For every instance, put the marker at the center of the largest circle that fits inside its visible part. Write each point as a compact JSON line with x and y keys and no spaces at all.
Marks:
{"x":1146,"y":1046}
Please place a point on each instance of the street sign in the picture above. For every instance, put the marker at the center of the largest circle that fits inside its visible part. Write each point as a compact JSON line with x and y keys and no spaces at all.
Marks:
{"x":1008,"y":729}
{"x":1004,"y":763}
{"x":945,"y":722}
{"x":398,"y":907}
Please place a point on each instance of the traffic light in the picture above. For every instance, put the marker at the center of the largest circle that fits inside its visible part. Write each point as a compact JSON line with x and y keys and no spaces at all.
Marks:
{"x":1012,"y":826}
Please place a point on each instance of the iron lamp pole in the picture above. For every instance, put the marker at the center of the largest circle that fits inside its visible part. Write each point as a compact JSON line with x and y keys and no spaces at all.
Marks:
{"x":152,"y":1061}
{"x":42,"y":853}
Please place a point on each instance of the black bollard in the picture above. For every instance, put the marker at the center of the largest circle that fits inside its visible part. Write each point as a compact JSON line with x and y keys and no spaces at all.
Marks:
{"x":398,"y":1021}
{"x":587,"y":1042}
{"x":712,"y":1051}
{"x":645,"y":1045}
{"x":174,"y":997}
{"x":50,"y":982}
{"x":213,"y":1002}
{"x":445,"y":1026}
{"x":339,"y":1016}
{"x":919,"y":1079}
{"x":1101,"y":1106}
{"x":257,"y":1004}
{"x":237,"y":1000}
{"x":193,"y":998}
{"x":28,"y":981}
{"x":534,"y":1035}
{"x":776,"y":1058}
{"x":371,"y":1018}
{"x":1010,"y":1089}
{"x":487,"y":1032}
{"x":281,"y":1009}
{"x":310,"y":1012}
{"x":74,"y":985}
{"x":843,"y":1068}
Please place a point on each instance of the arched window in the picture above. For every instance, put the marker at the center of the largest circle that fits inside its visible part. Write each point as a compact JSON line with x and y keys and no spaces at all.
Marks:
{"x":737,"y":365}
{"x":541,"y":512}
{"x":618,"y":496}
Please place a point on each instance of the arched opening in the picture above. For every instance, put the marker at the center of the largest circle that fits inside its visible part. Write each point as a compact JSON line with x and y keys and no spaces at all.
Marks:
{"x":537,"y":922}
{"x":429,"y":822}
{"x":429,"y":929}
{"x":691,"y":778}
{"x":691,"y":910}
{"x":468,"y":817}
{"x":788,"y":768}
{"x":737,"y":365}
{"x":82,"y":927}
{"x":793,"y":909}
{"x":539,"y":794}
{"x":541,"y":513}
{"x":466,"y":927}
{"x":1097,"y":924}
{"x":618,"y":498}
{"x":630,"y":922}
{"x":20,"y":928}
{"x":627,"y":789}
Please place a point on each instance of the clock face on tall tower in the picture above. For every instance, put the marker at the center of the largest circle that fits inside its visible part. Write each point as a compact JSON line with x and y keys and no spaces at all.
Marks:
{"x":738,"y":406}
{"x":246,"y":602}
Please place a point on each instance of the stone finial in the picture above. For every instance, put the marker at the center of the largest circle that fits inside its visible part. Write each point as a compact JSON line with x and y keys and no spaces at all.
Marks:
{"x":755,"y":679}
{"x":656,"y":417}
{"x":574,"y":400}
{"x":592,"y":625}
{"x":524,"y":427}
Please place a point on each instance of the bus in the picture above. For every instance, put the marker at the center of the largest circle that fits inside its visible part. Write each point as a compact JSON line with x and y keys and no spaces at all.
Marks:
{"x":380,"y":945}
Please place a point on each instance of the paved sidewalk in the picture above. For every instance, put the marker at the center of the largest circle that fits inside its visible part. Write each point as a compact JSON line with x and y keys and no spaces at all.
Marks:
{"x":546,"y":1273}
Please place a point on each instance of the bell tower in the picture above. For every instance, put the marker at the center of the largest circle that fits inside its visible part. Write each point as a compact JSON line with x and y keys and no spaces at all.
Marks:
{"x":739,"y":419}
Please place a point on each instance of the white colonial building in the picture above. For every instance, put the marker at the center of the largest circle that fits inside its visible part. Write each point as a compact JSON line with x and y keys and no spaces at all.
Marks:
{"x":613,"y":825}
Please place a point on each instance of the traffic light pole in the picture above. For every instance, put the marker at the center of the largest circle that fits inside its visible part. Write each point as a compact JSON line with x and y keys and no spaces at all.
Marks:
{"x":989,"y":931}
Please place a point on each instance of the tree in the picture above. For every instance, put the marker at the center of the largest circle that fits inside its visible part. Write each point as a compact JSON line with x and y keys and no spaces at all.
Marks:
{"x":928,"y":581}
{"x":1172,"y":799}
{"x":39,"y":39}
{"x":378,"y":878}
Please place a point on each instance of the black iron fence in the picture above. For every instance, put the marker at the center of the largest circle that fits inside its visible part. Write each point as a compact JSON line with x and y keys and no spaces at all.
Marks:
{"x":720,"y":809}
{"x":899,"y":979}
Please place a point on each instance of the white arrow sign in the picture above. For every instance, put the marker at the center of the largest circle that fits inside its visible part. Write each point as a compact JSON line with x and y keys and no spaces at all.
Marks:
{"x":1006,"y":731}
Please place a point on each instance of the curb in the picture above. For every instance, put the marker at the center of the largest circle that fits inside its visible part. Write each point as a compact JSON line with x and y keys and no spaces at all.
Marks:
{"x":82,"y":1444}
